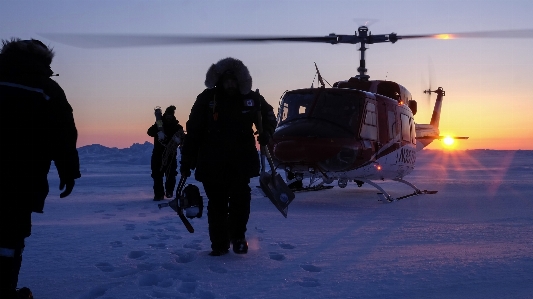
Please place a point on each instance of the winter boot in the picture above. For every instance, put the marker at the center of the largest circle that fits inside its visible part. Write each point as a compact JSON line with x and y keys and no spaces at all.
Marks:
{"x":240,"y":246}
{"x":218,"y":252}
{"x":159,"y":197}
{"x":24,"y":293}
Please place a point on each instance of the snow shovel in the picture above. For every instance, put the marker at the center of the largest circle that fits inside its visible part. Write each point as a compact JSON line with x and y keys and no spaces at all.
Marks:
{"x":175,"y":205}
{"x":272,"y":184}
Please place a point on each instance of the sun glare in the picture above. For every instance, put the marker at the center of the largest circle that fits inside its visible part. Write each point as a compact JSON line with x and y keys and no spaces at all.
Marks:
{"x":444,"y":36}
{"x":448,"y":141}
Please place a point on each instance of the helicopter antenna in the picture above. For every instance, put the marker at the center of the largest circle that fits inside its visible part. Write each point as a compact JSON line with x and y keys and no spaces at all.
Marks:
{"x":319,"y":76}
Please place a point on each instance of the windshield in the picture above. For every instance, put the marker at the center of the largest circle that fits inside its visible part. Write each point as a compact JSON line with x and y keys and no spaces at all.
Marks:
{"x":341,"y":107}
{"x":295,"y":105}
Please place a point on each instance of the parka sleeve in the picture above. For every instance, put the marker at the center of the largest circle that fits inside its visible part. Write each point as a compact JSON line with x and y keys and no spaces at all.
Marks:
{"x":196,"y":127}
{"x":152,"y":131}
{"x":268,"y":117}
{"x":64,"y":135}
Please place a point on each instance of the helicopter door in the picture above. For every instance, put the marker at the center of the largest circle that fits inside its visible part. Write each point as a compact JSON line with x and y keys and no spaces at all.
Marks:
{"x":386,"y":121}
{"x":369,"y":127}
{"x":408,"y":129}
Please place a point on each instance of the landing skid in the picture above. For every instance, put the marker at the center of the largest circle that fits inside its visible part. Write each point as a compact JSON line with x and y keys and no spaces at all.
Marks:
{"x":385,"y":197}
{"x":313,"y":188}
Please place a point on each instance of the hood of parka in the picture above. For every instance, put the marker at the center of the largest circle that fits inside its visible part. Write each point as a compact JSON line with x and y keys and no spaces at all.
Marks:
{"x":233,"y":66}
{"x":25,"y":57}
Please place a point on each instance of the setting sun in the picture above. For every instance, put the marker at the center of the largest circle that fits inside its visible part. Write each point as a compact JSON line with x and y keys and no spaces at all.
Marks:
{"x":448,"y":141}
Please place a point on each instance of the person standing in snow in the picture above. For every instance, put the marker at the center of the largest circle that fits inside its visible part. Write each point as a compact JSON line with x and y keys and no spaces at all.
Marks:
{"x":220,"y":145}
{"x":163,"y":161}
{"x":36,"y":127}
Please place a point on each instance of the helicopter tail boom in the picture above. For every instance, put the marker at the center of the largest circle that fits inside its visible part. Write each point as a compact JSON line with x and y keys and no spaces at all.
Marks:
{"x":426,"y":133}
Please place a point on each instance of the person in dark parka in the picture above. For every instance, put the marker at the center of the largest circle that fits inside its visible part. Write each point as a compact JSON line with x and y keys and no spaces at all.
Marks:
{"x":220,"y":145}
{"x":36,"y":127}
{"x":163,"y":163}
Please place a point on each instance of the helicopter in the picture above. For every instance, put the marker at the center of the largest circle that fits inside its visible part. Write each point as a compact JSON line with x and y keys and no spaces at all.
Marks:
{"x":358,"y":130}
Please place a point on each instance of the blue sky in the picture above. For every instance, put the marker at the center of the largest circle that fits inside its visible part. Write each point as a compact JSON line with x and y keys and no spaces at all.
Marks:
{"x":113,"y":91}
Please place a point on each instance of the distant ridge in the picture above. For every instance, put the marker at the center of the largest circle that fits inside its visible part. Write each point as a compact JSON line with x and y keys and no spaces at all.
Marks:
{"x":135,"y":154}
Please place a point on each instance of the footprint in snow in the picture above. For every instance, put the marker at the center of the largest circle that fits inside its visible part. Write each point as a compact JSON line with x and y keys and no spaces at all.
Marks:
{"x":99,"y":211}
{"x":185,"y":257}
{"x":115,"y":244}
{"x":149,"y":279}
{"x":129,"y":226}
{"x":276,"y":256}
{"x":108,"y":216}
{"x":146,"y":266}
{"x":142,"y":214}
{"x":171,"y":267}
{"x":311,"y":268}
{"x":138,"y":255}
{"x":188,"y":284}
{"x":158,"y":245}
{"x":163,"y":237}
{"x":309,"y":282}
{"x":124,"y":273}
{"x":105,"y":267}
{"x":259,"y":230}
{"x":286,"y":246}
{"x":142,"y":237}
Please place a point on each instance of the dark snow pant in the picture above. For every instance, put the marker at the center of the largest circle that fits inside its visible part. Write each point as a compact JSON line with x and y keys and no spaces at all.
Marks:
{"x":228,"y":210}
{"x":168,"y":172}
{"x":10,"y":262}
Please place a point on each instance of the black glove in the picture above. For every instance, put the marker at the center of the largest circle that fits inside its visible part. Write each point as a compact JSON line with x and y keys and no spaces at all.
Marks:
{"x":68,"y":185}
{"x":263,"y":138}
{"x":185,"y":168}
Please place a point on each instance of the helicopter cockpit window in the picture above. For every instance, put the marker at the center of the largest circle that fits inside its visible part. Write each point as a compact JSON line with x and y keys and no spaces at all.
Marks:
{"x":341,"y":108}
{"x":295,"y":105}
{"x":369,"y":129}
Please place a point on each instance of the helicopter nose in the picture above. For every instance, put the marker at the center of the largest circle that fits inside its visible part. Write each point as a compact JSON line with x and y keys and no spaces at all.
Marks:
{"x":289,"y":151}
{"x":305,"y":151}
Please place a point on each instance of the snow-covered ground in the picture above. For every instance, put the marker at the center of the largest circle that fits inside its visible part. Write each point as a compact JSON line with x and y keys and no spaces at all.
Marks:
{"x":473,"y":239}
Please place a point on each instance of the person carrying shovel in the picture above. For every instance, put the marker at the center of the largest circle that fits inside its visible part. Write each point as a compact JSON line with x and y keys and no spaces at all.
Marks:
{"x":220,"y":145}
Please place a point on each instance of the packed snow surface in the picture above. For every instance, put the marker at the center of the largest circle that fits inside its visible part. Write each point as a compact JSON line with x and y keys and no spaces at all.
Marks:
{"x":473,"y":239}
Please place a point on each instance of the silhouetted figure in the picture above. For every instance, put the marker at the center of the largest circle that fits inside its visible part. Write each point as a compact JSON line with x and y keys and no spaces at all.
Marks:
{"x":36,"y":127}
{"x":167,"y":139}
{"x":220,"y":144}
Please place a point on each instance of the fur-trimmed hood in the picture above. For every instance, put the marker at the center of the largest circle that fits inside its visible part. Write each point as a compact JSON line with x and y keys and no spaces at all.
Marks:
{"x":26,"y":56}
{"x":239,"y":70}
{"x":33,"y":49}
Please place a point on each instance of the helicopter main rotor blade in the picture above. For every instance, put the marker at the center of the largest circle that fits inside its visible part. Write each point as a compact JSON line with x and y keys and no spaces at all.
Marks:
{"x":135,"y":40}
{"x":520,"y":33}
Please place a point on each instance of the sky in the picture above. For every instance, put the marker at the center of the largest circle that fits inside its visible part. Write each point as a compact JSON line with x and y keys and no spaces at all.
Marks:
{"x":472,"y":239}
{"x":113,"y":91}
